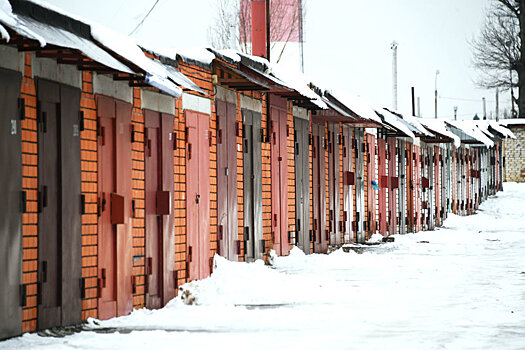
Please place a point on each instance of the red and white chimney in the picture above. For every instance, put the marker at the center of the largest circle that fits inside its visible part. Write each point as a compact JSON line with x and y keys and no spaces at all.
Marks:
{"x":259,"y":28}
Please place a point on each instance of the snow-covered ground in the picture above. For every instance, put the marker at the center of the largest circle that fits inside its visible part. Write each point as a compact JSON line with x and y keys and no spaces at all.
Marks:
{"x":459,"y":287}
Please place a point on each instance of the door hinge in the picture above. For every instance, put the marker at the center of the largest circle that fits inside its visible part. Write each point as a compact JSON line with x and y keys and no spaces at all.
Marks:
{"x":82,"y":288}
{"x":23,"y":295}
{"x":221,"y":231}
{"x":82,"y":204}
{"x":81,"y":119}
{"x":39,"y":293}
{"x":22,"y":108}
{"x":23,"y":201}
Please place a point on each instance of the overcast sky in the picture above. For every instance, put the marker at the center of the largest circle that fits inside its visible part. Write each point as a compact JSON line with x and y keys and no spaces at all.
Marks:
{"x":347,"y":44}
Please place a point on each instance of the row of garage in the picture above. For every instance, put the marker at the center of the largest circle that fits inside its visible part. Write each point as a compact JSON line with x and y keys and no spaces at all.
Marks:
{"x":125,"y":169}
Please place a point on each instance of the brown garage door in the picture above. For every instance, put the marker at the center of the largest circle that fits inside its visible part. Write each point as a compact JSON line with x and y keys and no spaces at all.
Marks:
{"x":59,"y":222}
{"x":319,"y":188}
{"x":227,"y":181}
{"x":254,"y":244}
{"x":11,"y":218}
{"x":302,"y":184}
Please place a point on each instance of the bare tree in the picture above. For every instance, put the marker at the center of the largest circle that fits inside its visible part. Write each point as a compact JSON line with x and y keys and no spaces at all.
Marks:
{"x":223,"y":33}
{"x":232,"y":25}
{"x":499,"y":51}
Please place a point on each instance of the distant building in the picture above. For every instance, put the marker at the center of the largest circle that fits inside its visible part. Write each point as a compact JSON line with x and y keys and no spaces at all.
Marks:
{"x":514,"y":151}
{"x":285,"y":30}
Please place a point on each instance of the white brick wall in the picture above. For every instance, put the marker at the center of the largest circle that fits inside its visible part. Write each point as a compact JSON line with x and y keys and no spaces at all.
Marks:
{"x":515,"y":155}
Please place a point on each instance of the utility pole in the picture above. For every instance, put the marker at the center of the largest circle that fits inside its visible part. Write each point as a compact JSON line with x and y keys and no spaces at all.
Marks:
{"x":436,"y":95}
{"x":484,"y":108}
{"x":393,"y":46}
{"x":413,"y":102}
{"x":497,"y":104}
{"x":301,"y":34}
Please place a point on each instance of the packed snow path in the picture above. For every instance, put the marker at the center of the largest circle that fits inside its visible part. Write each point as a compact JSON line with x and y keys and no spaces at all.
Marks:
{"x":459,"y":287}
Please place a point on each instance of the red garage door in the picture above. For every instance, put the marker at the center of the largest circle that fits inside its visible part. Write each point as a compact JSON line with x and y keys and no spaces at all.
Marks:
{"x":160,"y":241}
{"x":114,"y":181}
{"x":197,"y":195}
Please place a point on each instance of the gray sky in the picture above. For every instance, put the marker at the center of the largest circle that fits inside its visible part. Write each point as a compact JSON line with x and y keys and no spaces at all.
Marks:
{"x":347,"y":44}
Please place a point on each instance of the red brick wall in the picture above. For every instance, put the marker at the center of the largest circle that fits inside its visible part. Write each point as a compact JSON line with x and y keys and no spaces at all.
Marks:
{"x":30,"y":185}
{"x":291,"y":170}
{"x":341,"y":185}
{"x":266,"y":181}
{"x":139,"y":197}
{"x":89,"y":178}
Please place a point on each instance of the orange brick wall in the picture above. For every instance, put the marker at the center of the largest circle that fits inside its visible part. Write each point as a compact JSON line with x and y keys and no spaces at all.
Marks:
{"x":341,"y":185}
{"x":30,"y":185}
{"x":327,"y":183}
{"x":311,"y":186}
{"x":366,"y":181}
{"x":354,"y":192}
{"x":89,"y":178}
{"x":179,"y":174}
{"x":266,"y":181}
{"x":138,"y":197}
{"x":291,"y":173}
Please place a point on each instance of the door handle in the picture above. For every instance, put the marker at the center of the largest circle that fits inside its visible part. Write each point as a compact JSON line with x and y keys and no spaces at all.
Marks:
{"x":197,"y":197}
{"x":274,"y":219}
{"x":103,"y":273}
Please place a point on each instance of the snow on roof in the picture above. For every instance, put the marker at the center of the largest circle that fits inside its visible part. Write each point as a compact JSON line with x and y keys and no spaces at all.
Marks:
{"x":4,"y":34}
{"x":415,"y":123}
{"x":197,"y":54}
{"x":471,"y":130}
{"x":396,"y":122}
{"x":158,"y":74}
{"x":296,"y":81}
{"x":9,"y":19}
{"x":439,"y":126}
{"x":6,"y":13}
{"x":356,"y":104}
{"x":231,"y":54}
{"x":501,"y":129}
{"x":481,"y":125}
{"x":509,"y":122}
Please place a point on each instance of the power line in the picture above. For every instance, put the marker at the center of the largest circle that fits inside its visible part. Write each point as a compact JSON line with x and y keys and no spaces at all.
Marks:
{"x":463,"y":99}
{"x":143,"y":19}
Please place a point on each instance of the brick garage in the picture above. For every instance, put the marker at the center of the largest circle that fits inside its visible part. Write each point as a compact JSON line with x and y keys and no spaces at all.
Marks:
{"x":514,"y":153}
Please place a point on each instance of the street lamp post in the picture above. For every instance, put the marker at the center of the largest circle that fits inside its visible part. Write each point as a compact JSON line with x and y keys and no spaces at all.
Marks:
{"x":436,"y":95}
